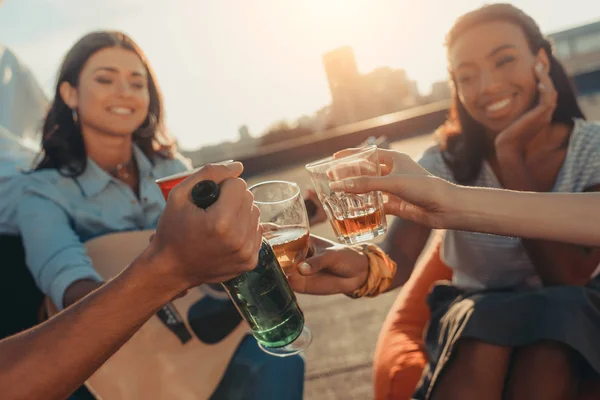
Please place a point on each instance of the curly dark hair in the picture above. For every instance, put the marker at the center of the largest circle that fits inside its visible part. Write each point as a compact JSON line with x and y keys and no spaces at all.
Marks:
{"x":464,"y":144}
{"x":62,"y":143}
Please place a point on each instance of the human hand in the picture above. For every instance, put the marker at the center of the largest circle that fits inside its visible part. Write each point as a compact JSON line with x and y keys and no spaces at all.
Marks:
{"x":412,"y":192}
{"x":196,"y":246}
{"x":332,"y":268}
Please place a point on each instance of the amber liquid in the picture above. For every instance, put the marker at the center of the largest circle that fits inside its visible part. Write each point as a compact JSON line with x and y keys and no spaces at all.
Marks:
{"x":290,"y":244}
{"x":351,"y":226}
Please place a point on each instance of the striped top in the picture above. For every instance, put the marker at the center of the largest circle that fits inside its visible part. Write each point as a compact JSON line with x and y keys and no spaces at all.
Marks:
{"x":482,"y":261}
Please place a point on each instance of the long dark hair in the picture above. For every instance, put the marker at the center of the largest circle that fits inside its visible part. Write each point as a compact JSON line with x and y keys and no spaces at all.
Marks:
{"x":62,"y":143}
{"x":464,"y":143}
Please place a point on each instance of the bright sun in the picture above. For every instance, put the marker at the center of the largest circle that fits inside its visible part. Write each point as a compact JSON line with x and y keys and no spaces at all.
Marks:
{"x":341,"y":10}
{"x":333,"y":22}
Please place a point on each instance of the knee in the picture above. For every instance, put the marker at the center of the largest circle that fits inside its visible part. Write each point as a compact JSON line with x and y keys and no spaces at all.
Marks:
{"x":476,"y":370}
{"x":473,"y":353}
{"x":542,"y":370}
{"x":545,"y":354}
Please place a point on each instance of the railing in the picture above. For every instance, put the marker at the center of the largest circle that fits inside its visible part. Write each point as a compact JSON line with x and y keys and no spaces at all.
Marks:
{"x":396,"y":126}
{"x":588,"y":83}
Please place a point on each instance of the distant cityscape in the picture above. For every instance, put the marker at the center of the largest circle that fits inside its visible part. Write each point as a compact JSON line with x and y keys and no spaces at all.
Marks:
{"x":357,"y":97}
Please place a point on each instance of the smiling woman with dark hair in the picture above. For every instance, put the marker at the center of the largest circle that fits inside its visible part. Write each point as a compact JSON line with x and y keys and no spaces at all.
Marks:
{"x":521,"y":317}
{"x":104,"y":144}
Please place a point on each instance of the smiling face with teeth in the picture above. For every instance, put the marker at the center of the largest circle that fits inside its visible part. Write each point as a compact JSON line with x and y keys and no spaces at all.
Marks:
{"x":112,"y":96}
{"x":492,"y":66}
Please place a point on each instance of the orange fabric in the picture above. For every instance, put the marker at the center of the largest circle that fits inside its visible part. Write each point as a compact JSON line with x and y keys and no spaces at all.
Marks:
{"x":399,"y":356}
{"x":381,"y":272}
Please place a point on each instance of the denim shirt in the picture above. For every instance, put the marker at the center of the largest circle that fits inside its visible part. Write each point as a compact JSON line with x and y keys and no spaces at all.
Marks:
{"x":56,"y":215}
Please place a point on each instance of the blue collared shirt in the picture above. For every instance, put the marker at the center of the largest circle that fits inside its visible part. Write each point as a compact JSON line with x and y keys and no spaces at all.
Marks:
{"x":56,"y":215}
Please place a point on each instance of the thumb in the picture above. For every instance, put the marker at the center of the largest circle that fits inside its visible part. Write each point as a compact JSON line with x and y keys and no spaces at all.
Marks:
{"x":214,"y":172}
{"x":314,"y":264}
{"x":366,"y":184}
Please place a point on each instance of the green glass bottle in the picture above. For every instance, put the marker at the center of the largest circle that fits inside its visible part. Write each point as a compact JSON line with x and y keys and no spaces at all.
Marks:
{"x":267,"y":302}
{"x":263,"y":296}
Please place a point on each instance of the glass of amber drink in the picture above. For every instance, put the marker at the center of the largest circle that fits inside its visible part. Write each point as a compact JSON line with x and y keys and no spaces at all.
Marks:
{"x":354,"y":218}
{"x":284,"y":220}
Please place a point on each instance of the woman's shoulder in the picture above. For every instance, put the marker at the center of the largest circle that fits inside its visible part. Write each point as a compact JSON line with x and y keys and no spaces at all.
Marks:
{"x":432,"y":160}
{"x":585,"y":138}
{"x":48,"y":184}
{"x":42,"y":180}
{"x":581,"y":168}
{"x":587,"y":128}
{"x":432,"y":153}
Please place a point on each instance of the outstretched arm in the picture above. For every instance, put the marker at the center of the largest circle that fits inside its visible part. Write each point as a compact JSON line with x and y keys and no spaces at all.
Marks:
{"x":67,"y":349}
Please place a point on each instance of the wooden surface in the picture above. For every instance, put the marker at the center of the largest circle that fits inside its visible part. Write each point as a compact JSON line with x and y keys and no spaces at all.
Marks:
{"x":339,"y":361}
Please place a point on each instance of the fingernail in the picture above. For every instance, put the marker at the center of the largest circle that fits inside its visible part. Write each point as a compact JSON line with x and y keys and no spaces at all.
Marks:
{"x":541,"y":86}
{"x":233,"y":164}
{"x":336,"y":186}
{"x":304,"y":268}
{"x":344,"y":185}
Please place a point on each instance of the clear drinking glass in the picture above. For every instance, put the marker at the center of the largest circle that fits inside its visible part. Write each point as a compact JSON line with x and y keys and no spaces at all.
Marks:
{"x":354,"y":218}
{"x":285,"y":221}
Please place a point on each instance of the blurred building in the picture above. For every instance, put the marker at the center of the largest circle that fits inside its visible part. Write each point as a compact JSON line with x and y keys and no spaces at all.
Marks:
{"x":247,"y":144}
{"x":579,"y":51}
{"x":440,"y":91}
{"x":386,"y":90}
{"x":244,"y":133}
{"x":356,"y":96}
{"x":343,"y":78}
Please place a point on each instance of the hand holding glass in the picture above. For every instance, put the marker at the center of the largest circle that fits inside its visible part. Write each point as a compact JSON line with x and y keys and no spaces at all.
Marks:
{"x":284,"y":220}
{"x":354,"y":218}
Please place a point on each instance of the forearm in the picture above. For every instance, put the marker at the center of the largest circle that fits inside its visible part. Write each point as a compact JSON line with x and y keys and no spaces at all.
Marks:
{"x":526,"y":214}
{"x":67,"y":349}
{"x":79,"y":290}
{"x":548,"y":257}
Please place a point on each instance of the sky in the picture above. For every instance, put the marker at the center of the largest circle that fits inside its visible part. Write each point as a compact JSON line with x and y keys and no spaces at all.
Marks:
{"x":226,"y":63}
